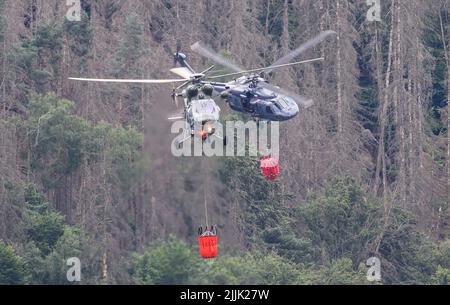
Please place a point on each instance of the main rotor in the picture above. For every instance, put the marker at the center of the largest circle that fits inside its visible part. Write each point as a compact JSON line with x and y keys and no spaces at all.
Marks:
{"x":189,"y":76}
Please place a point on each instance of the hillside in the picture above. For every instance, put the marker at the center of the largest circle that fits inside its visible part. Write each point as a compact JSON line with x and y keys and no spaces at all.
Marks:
{"x":86,"y":169}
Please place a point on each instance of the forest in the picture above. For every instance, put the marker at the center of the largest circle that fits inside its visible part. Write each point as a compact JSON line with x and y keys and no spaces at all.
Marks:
{"x":86,"y":169}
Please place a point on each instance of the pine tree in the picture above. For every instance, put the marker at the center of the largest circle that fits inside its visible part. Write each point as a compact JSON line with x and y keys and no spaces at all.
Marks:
{"x":11,"y":266}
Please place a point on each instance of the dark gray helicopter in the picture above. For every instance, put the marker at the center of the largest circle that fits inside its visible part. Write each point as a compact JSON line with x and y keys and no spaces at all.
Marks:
{"x":249,"y":93}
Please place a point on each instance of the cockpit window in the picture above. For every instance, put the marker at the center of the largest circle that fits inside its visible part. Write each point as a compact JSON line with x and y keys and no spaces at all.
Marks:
{"x":282,"y":103}
{"x":263,"y":93}
{"x":204,"y":106}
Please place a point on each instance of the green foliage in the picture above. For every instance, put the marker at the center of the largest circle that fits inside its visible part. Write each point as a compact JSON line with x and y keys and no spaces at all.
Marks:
{"x":408,"y":256}
{"x":130,"y":48}
{"x":288,"y":245}
{"x":49,"y":242}
{"x":36,"y":60}
{"x":250,"y":269}
{"x":51,"y":268}
{"x":341,"y":272}
{"x":442,"y":276}
{"x":265,"y":217}
{"x":169,"y":263}
{"x":342,"y":225}
{"x":44,"y":229}
{"x":48,"y":41}
{"x":35,"y":200}
{"x":230,"y":270}
{"x":344,"y":221}
{"x":368,"y":94}
{"x":34,"y":263}
{"x":274,"y":270}
{"x":434,"y":39}
{"x":57,"y":138}
{"x":79,"y":35}
{"x":262,"y":199}
{"x":126,"y":156}
{"x":127,"y":64}
{"x":61,"y":141}
{"x":2,"y":21}
{"x":173,"y":262}
{"x":11,"y":266}
{"x":68,"y":245}
{"x":28,"y":75}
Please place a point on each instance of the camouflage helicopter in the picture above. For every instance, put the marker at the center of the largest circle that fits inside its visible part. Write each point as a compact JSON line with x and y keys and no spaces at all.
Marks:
{"x":249,"y":94}
{"x":201,"y":113}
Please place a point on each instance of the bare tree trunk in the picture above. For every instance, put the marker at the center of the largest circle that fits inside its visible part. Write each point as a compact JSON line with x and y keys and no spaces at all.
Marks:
{"x":105,"y":268}
{"x":285,"y":40}
{"x":411,"y":129}
{"x":399,"y":105}
{"x":383,"y":121}
{"x":3,"y":82}
{"x":447,"y":58}
{"x":338,"y":70}
{"x":381,"y":163}
{"x":266,"y":25}
{"x":378,"y":64}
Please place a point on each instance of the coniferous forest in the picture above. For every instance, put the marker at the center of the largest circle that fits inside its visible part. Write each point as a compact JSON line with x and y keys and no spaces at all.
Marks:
{"x":86,"y":169}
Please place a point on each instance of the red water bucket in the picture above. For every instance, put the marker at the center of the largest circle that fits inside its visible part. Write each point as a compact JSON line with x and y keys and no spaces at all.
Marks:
{"x":208,"y":246}
{"x":270,"y":168}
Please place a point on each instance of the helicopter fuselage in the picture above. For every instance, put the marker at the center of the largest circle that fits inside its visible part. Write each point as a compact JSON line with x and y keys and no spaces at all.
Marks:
{"x":245,"y":95}
{"x":201,"y":111}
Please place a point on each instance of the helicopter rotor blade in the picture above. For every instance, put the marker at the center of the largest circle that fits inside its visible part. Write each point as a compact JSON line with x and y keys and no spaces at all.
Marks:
{"x":208,"y":70}
{"x":300,"y":100}
{"x":182,"y":71}
{"x":304,"y":47}
{"x":266,"y":68}
{"x":209,"y":53}
{"x":176,"y":118}
{"x":183,"y":85}
{"x":130,"y":81}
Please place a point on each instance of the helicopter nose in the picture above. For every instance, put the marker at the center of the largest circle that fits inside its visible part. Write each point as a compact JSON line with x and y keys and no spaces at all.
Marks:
{"x":292,"y":111}
{"x":295,"y":109}
{"x":292,"y":114}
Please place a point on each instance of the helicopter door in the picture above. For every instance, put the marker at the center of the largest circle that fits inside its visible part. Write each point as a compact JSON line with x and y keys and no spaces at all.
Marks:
{"x":235,"y":102}
{"x":247,"y":103}
{"x":265,"y":110}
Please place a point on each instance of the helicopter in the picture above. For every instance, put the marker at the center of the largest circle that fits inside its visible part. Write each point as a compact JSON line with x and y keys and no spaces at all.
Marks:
{"x":200,"y":112}
{"x":250,"y":93}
